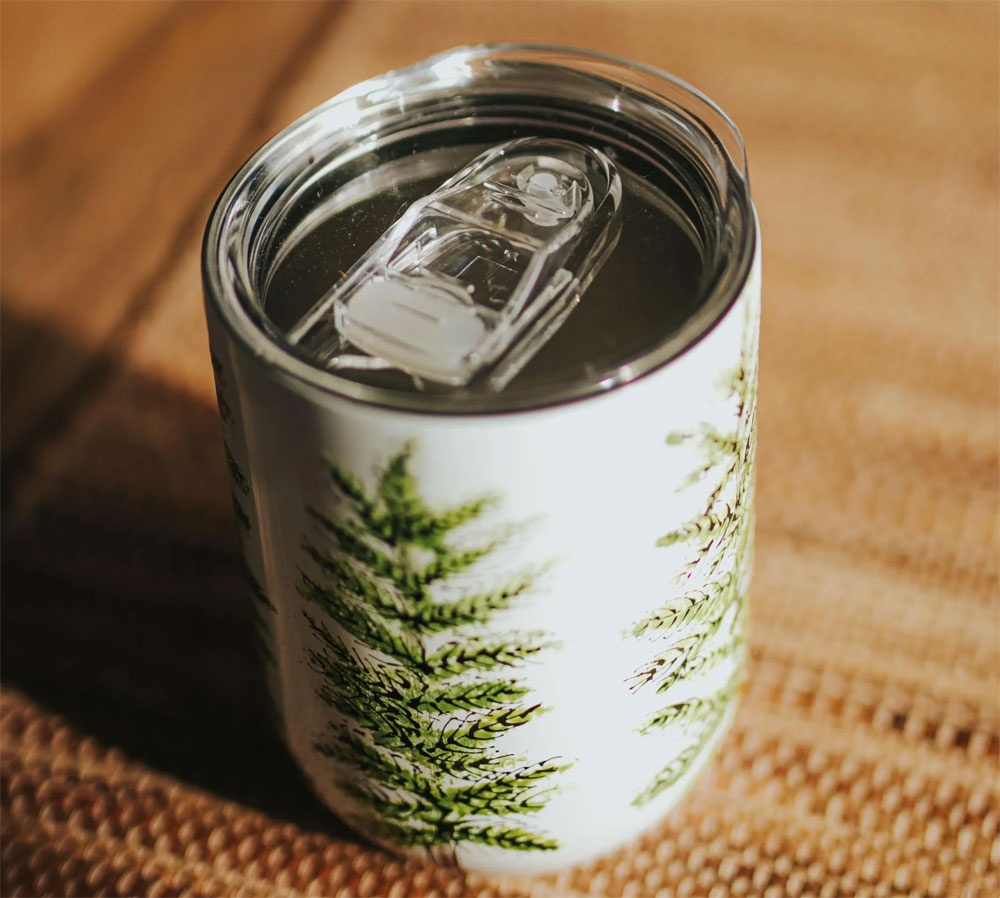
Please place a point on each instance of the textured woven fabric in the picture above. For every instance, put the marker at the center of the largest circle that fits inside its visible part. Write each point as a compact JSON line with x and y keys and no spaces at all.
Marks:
{"x":863,"y":759}
{"x":137,"y":755}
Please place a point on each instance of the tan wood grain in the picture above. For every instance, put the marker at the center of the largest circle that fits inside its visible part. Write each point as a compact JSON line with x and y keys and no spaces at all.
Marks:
{"x":99,"y":198}
{"x":51,"y":52}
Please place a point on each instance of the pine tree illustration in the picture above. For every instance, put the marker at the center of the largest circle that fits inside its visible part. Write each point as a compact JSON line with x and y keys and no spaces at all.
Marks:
{"x":415,"y":739}
{"x":262,"y":607}
{"x":718,"y":539}
{"x":225,"y":411}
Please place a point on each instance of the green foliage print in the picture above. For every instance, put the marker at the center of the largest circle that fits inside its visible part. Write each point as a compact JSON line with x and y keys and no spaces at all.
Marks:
{"x":713,"y":582}
{"x":225,"y":412}
{"x":262,"y":609}
{"x":699,"y":719}
{"x":421,"y":694}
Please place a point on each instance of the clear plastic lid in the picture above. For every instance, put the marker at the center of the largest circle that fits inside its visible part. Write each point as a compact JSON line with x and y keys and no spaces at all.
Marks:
{"x":475,"y":277}
{"x":496,"y":228}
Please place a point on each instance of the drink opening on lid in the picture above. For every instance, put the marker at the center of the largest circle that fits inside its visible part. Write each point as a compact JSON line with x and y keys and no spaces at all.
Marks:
{"x":474,"y":278}
{"x":331,"y":189}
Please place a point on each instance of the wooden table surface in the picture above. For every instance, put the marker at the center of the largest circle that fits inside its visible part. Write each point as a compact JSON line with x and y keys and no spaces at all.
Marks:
{"x":872,"y":133}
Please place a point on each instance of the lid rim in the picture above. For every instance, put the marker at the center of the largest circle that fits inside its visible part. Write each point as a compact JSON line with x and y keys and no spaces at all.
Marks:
{"x":235,"y":308}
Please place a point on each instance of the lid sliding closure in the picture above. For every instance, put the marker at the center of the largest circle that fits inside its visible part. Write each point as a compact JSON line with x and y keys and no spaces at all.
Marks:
{"x":474,"y":278}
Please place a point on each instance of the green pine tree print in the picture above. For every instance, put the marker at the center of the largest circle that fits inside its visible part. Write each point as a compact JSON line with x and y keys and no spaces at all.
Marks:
{"x":262,"y":608}
{"x":718,"y":542}
{"x":422,"y":695}
{"x":225,"y":412}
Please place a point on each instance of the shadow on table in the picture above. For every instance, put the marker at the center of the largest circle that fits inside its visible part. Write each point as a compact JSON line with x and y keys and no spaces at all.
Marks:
{"x":124,"y":609}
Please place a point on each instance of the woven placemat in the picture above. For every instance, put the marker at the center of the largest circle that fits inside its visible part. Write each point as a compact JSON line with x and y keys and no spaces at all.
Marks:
{"x":137,"y":756}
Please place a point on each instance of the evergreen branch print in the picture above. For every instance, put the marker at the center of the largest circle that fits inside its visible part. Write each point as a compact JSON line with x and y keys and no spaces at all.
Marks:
{"x":364,"y":625}
{"x":472,"y":732}
{"x":242,"y":518}
{"x":435,"y":617}
{"x":477,"y":653}
{"x":682,"y":762}
{"x":262,"y":610}
{"x":692,"y":608}
{"x":693,"y":710}
{"x":235,"y":472}
{"x":509,"y":838}
{"x":411,"y":833}
{"x":413,"y":607}
{"x":450,"y":697}
{"x":225,"y":410}
{"x":351,"y":541}
{"x":503,"y":793}
{"x":399,"y":808}
{"x":414,"y":728}
{"x":387,"y":768}
{"x":687,"y":627}
{"x":669,"y":774}
{"x":680,"y":660}
{"x":432,"y":749}
{"x":702,"y":661}
{"x":409,"y":520}
{"x":256,"y":590}
{"x":350,"y":576}
{"x":447,"y":563}
{"x":426,"y":836}
{"x":665,"y":668}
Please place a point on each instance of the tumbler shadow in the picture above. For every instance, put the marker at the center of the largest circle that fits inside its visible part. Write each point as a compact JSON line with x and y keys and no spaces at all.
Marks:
{"x":124,"y":607}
